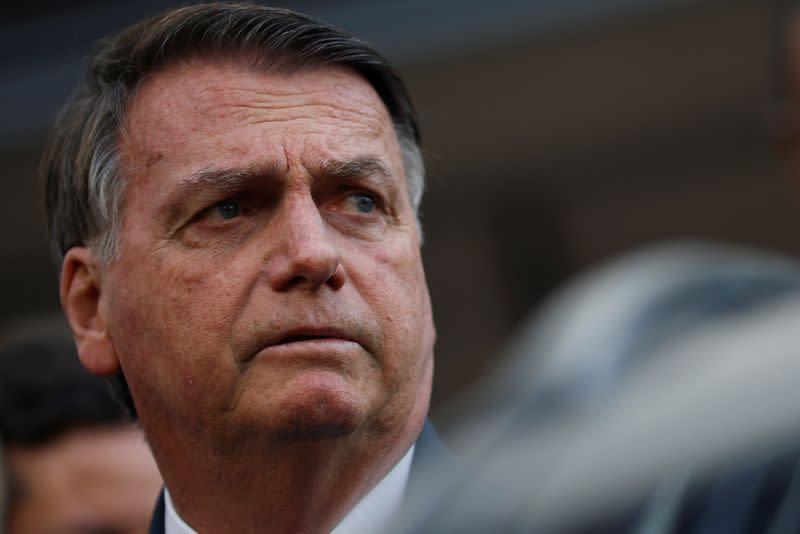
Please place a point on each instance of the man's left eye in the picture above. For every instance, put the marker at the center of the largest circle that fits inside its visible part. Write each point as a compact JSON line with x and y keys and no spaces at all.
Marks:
{"x":228,"y":209}
{"x":363,"y":202}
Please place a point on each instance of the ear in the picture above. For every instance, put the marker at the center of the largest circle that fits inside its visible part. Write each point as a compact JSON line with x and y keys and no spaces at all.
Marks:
{"x":80,"y":291}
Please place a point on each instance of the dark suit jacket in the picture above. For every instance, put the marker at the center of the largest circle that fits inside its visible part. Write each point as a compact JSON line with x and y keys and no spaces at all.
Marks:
{"x":428,"y":448}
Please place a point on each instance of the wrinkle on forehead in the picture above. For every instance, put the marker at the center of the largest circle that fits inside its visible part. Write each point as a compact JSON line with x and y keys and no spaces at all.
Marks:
{"x":263,"y":108}
{"x":325,"y":95}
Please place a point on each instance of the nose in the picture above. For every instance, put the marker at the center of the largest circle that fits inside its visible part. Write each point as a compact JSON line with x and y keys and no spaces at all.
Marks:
{"x":306,"y":257}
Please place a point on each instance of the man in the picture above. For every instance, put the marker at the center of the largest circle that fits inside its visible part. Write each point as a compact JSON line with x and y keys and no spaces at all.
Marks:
{"x":74,"y":461}
{"x":234,"y":195}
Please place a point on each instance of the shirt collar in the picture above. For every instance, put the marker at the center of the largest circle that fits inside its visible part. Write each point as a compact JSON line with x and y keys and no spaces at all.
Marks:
{"x":371,"y":514}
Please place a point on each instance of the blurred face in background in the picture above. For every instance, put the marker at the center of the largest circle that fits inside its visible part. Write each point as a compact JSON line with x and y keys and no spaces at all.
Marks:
{"x":88,"y":481}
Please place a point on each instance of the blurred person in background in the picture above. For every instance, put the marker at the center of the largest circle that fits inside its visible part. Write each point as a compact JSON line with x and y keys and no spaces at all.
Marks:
{"x":654,"y":395}
{"x":74,"y":461}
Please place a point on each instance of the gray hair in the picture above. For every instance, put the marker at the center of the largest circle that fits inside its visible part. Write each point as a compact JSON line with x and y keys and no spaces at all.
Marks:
{"x":81,"y":165}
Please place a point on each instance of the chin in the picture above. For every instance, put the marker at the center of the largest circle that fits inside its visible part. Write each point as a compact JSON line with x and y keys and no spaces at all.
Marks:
{"x":308,"y":429}
{"x":319,"y":411}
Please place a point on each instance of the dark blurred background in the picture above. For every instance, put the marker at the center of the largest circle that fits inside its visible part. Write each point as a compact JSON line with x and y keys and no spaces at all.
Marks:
{"x":557,"y":133}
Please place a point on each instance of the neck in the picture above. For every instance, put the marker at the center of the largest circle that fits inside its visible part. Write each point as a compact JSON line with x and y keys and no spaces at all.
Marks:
{"x":291,"y":486}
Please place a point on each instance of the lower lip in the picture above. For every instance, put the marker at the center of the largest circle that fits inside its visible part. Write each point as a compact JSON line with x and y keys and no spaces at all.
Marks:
{"x":320,"y":349}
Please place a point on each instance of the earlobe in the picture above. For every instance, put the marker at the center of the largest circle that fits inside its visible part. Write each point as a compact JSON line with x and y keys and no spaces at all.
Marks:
{"x":80,"y":291}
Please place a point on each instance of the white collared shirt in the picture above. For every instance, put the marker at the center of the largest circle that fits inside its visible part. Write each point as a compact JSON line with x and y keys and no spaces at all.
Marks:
{"x":370,"y":515}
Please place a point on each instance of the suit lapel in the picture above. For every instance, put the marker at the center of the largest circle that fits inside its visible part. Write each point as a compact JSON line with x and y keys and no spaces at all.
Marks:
{"x":157,"y":522}
{"x":428,"y":450}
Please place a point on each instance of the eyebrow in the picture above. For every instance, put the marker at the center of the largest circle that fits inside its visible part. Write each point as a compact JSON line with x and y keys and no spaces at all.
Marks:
{"x":360,"y":167}
{"x":364,"y":170}
{"x":223,"y":180}
{"x":212,"y":182}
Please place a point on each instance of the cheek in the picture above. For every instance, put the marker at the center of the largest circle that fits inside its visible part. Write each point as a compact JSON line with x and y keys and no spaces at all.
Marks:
{"x":394,"y":286}
{"x":404,"y":275}
{"x":171,"y":323}
{"x":190,"y":291}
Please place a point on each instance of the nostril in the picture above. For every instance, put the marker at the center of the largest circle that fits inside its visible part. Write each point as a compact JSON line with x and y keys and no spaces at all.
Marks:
{"x":336,"y":280}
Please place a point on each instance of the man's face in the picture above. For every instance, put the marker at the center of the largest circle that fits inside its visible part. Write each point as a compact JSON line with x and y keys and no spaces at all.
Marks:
{"x":102,"y":480}
{"x":269,"y":278}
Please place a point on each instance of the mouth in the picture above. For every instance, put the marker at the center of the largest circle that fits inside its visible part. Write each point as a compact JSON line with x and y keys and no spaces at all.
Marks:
{"x":293,"y":339}
{"x":307,"y":342}
{"x":302,"y":335}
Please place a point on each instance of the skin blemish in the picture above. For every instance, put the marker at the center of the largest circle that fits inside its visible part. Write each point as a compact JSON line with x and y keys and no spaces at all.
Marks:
{"x":153,"y":159}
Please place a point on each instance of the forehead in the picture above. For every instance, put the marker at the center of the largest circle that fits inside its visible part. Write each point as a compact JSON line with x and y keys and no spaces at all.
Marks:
{"x":230,"y":108}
